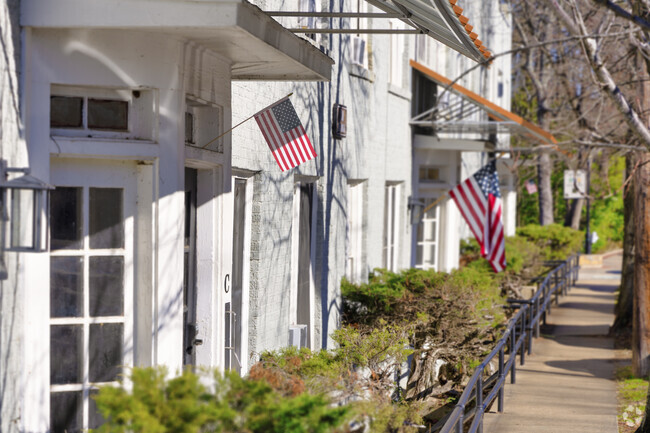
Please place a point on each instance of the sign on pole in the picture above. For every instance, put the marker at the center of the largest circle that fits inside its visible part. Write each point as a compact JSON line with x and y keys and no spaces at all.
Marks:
{"x":575,"y":184}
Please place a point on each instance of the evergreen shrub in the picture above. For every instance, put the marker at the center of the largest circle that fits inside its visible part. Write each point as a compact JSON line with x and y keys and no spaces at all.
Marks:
{"x":150,"y":402}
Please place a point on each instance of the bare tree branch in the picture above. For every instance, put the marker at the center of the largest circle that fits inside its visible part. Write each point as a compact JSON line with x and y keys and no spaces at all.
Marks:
{"x":619,"y":11}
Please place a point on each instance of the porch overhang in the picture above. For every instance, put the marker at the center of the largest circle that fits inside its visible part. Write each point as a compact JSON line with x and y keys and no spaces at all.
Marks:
{"x":258,"y":47}
{"x":454,"y":117}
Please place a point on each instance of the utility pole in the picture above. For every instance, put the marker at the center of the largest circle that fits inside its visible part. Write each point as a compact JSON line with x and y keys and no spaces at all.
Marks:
{"x":588,"y":230}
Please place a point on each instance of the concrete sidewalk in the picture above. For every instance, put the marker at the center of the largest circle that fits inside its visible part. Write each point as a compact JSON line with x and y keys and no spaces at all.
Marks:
{"x":567,"y":384}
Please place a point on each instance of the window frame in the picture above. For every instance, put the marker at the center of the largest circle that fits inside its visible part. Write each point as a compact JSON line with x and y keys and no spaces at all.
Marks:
{"x":141,"y":112}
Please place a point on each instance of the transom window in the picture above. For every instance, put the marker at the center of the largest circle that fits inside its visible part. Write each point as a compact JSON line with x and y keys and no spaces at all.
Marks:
{"x":88,"y":288}
{"x":429,"y":174}
{"x":102,"y":113}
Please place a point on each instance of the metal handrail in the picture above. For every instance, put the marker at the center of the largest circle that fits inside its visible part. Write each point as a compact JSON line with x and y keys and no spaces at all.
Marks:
{"x":516,"y":339}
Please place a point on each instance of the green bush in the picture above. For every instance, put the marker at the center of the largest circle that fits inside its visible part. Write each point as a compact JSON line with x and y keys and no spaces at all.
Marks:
{"x":151,"y":403}
{"x":555,"y":241}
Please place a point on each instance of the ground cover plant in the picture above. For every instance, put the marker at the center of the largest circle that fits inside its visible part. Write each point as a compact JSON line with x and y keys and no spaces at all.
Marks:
{"x":632,"y":395}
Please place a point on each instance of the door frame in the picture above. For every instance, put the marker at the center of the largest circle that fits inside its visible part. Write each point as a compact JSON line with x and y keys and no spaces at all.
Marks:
{"x":246,"y":253}
{"x":295,"y":246}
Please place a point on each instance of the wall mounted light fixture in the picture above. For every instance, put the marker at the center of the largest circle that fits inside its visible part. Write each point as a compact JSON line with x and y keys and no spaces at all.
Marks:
{"x":415,"y":207}
{"x":24,"y":210}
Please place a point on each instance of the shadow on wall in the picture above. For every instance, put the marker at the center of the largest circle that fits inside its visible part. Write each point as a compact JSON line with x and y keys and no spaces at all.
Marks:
{"x":11,"y":311}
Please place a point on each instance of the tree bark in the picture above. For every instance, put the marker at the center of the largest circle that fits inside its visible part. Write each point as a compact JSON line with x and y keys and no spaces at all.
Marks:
{"x":641,"y":316}
{"x":624,"y":304}
{"x":572,"y":218}
{"x":544,"y":170}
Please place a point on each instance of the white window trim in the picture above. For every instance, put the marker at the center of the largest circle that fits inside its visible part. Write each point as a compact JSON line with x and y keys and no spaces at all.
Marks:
{"x":134,"y":130}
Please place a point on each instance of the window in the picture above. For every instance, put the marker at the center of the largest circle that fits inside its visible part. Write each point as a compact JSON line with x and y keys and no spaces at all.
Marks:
{"x":428,"y":234}
{"x":359,"y":43}
{"x":102,"y":113}
{"x":66,"y":112}
{"x":422,"y":49}
{"x":189,"y":128}
{"x":354,"y":270}
{"x":90,"y":284}
{"x":108,"y":114}
{"x":307,"y":22}
{"x":429,"y":174}
{"x":203,"y":123}
{"x":396,"y":54}
{"x":425,"y":97}
{"x":391,"y":226}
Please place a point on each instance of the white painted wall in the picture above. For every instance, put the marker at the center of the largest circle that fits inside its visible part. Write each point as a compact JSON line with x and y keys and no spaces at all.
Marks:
{"x":14,"y":151}
{"x":172,"y":69}
{"x":377,"y":150}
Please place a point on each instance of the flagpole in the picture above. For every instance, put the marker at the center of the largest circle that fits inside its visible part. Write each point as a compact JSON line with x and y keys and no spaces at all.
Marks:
{"x":245,"y":120}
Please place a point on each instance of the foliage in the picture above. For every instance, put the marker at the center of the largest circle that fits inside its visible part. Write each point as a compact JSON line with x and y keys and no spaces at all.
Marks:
{"x":151,"y":403}
{"x":606,"y":214}
{"x":358,"y":371}
{"x":380,"y":349}
{"x":523,"y":257}
{"x":632,"y":394}
{"x":607,"y":209}
{"x":555,"y":241}
{"x":474,"y":291}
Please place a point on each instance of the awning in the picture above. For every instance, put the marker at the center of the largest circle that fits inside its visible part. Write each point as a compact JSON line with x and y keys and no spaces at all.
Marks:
{"x":257,"y":45}
{"x":458,"y":114}
{"x":441,"y":19}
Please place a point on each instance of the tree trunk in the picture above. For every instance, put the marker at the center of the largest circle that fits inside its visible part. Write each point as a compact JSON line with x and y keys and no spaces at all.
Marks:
{"x":641,"y":316}
{"x":572,"y":218}
{"x":624,"y":304}
{"x":544,"y":170}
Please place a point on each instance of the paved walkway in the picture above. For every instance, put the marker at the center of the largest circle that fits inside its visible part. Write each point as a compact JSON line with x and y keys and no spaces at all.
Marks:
{"x":567,"y":385}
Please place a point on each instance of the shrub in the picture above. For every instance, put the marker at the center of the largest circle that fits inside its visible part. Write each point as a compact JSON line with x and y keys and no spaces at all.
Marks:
{"x":555,"y":241}
{"x":154,"y":404}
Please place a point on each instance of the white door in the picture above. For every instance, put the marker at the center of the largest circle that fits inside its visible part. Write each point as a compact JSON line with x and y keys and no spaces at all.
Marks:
{"x":92,"y":214}
{"x":428,"y":238}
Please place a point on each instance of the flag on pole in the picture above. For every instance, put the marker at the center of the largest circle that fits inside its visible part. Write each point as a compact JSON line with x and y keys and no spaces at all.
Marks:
{"x":531,"y":187}
{"x":479,"y":201}
{"x":285,"y":134}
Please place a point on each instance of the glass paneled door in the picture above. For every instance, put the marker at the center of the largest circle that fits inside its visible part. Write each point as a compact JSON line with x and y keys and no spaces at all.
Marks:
{"x":91,"y":286}
{"x":428,"y":238}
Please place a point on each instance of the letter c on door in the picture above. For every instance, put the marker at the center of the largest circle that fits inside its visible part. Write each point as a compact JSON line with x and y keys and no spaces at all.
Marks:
{"x":226,"y":283}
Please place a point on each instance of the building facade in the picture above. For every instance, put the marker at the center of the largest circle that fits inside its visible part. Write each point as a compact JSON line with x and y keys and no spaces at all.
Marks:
{"x":175,"y":242}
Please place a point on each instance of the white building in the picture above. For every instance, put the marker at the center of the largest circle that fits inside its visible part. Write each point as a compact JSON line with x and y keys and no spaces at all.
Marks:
{"x":169,"y":248}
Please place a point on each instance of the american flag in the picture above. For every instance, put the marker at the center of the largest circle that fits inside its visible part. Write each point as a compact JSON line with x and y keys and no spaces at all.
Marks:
{"x":479,"y":201}
{"x":285,"y":134}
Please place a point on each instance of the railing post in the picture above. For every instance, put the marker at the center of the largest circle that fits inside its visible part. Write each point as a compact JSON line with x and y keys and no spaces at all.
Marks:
{"x":536,"y":321}
{"x":479,"y":401}
{"x":513,"y":354}
{"x":523,"y":335}
{"x":501,"y":379}
{"x":529,"y":328}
